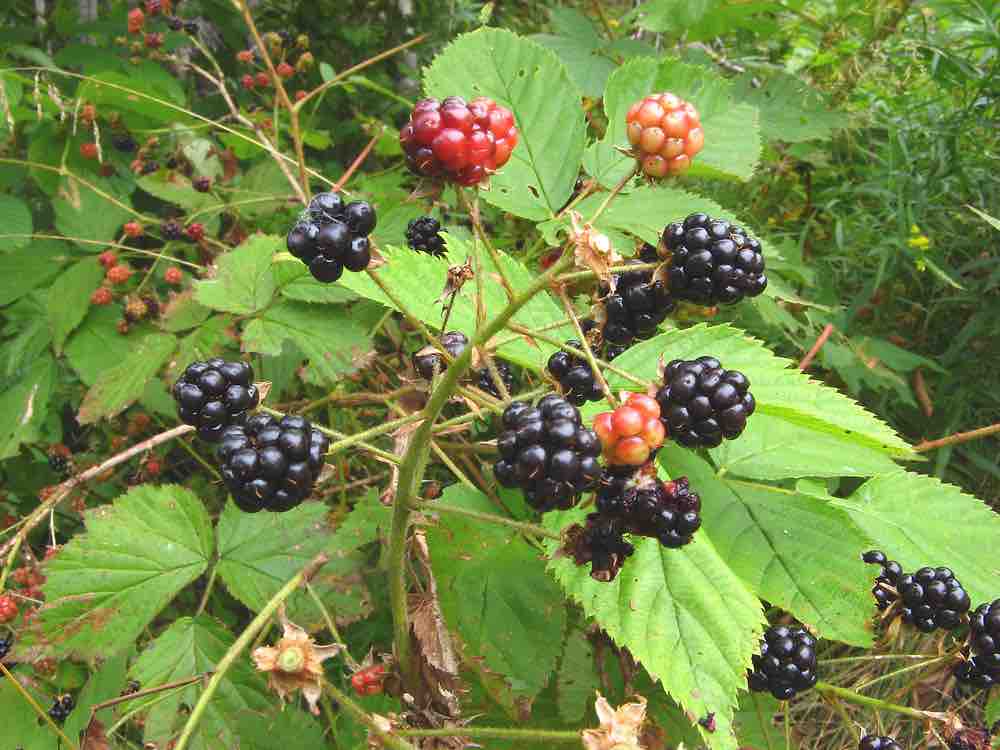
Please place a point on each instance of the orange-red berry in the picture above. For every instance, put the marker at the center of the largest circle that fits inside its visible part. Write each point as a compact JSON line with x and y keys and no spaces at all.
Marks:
{"x":300,"y":95}
{"x":136,"y":20}
{"x":108,"y":258}
{"x":245,"y":56}
{"x":631,"y":433}
{"x":154,"y":40}
{"x":101,"y":296}
{"x":262,"y":79}
{"x":665,"y":132}
{"x":119,"y":274}
{"x":248,"y":82}
{"x":195,"y":231}
{"x":285,"y":70}
{"x":8,"y":608}
{"x":173,"y":275}
{"x":88,"y":113}
{"x":88,"y":150}
{"x":133,"y":229}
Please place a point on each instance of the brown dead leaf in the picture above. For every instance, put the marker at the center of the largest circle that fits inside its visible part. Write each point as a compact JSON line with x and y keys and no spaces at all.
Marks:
{"x":94,"y":737}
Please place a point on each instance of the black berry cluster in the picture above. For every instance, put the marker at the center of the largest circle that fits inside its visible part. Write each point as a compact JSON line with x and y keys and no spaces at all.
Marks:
{"x":485,"y":382}
{"x":575,"y":377}
{"x":713,"y":261}
{"x":786,"y":664}
{"x":667,"y":511}
{"x":638,"y":304}
{"x":601,"y":543}
{"x":981,"y":668}
{"x":876,"y":742}
{"x":429,"y":360}
{"x":702,"y":403}
{"x":6,"y":644}
{"x":422,"y":236}
{"x":932,"y":598}
{"x":215,"y":394}
{"x":171,"y":230}
{"x":124,"y":143}
{"x":546,"y":451}
{"x":271,"y":465}
{"x":333,"y":236}
{"x":887,"y":582}
{"x":62,"y":707}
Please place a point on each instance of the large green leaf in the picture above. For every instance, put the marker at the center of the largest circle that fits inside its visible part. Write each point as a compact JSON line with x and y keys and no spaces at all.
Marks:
{"x":96,"y":345}
{"x":578,"y":679}
{"x":920,"y":521}
{"x":116,"y":388}
{"x":732,"y":129}
{"x":25,"y":269}
{"x":190,"y":647}
{"x":581,"y":49}
{"x":664,"y":606}
{"x":419,"y":281}
{"x":107,"y":584}
{"x":24,"y":405}
{"x":244,"y":282}
{"x":259,"y":552}
{"x":82,"y":213}
{"x":532,"y":81}
{"x":69,"y":298}
{"x":179,"y":192}
{"x":755,"y":723}
{"x":793,"y":549}
{"x":781,"y":391}
{"x":789,"y":110}
{"x":702,"y":19}
{"x":15,"y":218}
{"x":494,"y":590}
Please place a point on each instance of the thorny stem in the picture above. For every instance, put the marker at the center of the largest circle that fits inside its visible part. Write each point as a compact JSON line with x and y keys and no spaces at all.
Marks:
{"x":104,"y":243}
{"x":578,"y":275}
{"x":386,"y":738}
{"x":358,"y":161}
{"x":877,"y":703}
{"x":497,"y":733}
{"x":36,"y":708}
{"x":528,"y":528}
{"x":246,"y":637}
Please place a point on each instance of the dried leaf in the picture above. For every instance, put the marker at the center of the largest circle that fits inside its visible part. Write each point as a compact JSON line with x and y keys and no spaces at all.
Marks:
{"x":620,"y":727}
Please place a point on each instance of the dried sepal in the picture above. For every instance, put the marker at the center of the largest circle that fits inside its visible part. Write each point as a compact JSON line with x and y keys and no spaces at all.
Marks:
{"x":593,"y":250}
{"x":620,"y":727}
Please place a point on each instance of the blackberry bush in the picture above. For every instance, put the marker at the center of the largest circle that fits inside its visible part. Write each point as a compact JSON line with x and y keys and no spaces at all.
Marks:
{"x":547,"y":452}
{"x":702,"y":403}
{"x":333,"y":236}
{"x":575,"y":377}
{"x":422,"y":236}
{"x":786,"y":664}
{"x":269,"y":464}
{"x":215,"y":394}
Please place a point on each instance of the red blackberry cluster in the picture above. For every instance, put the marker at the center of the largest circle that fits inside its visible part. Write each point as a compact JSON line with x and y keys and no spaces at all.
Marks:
{"x":429,"y":360}
{"x":786,"y":664}
{"x":485,"y":382}
{"x":981,"y":667}
{"x":422,"y":236}
{"x":464,"y":142}
{"x":932,"y":598}
{"x":632,"y":433}
{"x":62,"y":707}
{"x":215,"y":394}
{"x":333,"y":236}
{"x":547,"y":452}
{"x":665,"y":132}
{"x":576,"y":378}
{"x":702,"y":403}
{"x":271,"y":465}
{"x":638,"y":304}
{"x":645,"y":506}
{"x":886,"y":584}
{"x":712,"y":261}
{"x":876,"y":742}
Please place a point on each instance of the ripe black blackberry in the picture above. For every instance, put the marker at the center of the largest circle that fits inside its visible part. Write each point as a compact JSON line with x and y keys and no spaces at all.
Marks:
{"x":58,"y":462}
{"x":932,"y":598}
{"x":422,"y":236}
{"x":981,"y":667}
{"x":171,"y":230}
{"x":6,"y":644}
{"x":333,"y":236}
{"x":271,"y":465}
{"x":546,"y":451}
{"x":149,"y":167}
{"x":713,"y":261}
{"x":703,"y":403}
{"x":645,"y":506}
{"x":601,"y":542}
{"x":886,"y":583}
{"x":61,"y":708}
{"x":485,"y":382}
{"x":429,"y":360}
{"x":876,"y":742}
{"x":638,"y":304}
{"x":575,"y":377}
{"x":124,"y":143}
{"x":174,"y":23}
{"x":786,"y":664}
{"x":215,"y":394}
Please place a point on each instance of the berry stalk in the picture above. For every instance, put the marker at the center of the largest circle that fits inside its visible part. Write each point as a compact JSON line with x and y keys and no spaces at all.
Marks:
{"x":878,"y":704}
{"x":498,"y":733}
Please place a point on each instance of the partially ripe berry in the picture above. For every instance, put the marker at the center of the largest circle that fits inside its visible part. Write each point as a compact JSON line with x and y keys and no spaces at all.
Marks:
{"x":154,"y":40}
{"x":133,"y":229}
{"x":101,"y":296}
{"x":119,"y":274}
{"x":665,"y":133}
{"x":626,"y":421}
{"x":285,"y":70}
{"x":300,"y":95}
{"x":248,"y":82}
{"x":154,"y":7}
{"x":245,"y":56}
{"x":8,"y":608}
{"x":202,"y":184}
{"x":108,"y":258}
{"x":262,"y":80}
{"x":195,"y":231}
{"x":136,"y":20}
{"x":88,"y":150}
{"x":632,"y":432}
{"x":173,"y":275}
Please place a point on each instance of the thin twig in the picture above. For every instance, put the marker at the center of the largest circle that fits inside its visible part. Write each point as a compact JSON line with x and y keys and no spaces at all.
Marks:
{"x":358,"y":161}
{"x":817,"y":345}
{"x":957,"y":438}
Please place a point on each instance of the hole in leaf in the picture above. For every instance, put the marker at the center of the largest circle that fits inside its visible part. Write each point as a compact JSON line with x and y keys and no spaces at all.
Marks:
{"x":534,"y":190}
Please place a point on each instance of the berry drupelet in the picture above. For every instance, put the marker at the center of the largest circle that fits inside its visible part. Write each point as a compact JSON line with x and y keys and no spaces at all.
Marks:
{"x":429,"y":360}
{"x":981,"y":668}
{"x":546,"y":451}
{"x":333,"y":236}
{"x":271,"y":465}
{"x":6,"y":644}
{"x":786,"y":664}
{"x":702,"y":403}
{"x":463,"y":142}
{"x":215,"y":394}
{"x":576,"y":378}
{"x":932,"y":598}
{"x":886,"y":584}
{"x":665,"y":133}
{"x":422,"y":236}
{"x":712,"y":261}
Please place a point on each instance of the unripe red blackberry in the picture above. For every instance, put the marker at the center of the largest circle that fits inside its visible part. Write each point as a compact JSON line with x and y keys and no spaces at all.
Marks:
{"x":271,"y":465}
{"x":101,"y":296}
{"x":215,"y":394}
{"x":463,"y":142}
{"x":173,"y":275}
{"x":665,"y":133}
{"x":786,"y":664}
{"x":703,"y":403}
{"x":547,"y":452}
{"x":8,"y":608}
{"x":136,"y":20}
{"x":133,"y":229}
{"x":195,"y":232}
{"x":632,"y":432}
{"x":333,"y":236}
{"x":712,"y":261}
{"x":575,"y":376}
{"x":118,"y":274}
{"x":429,"y":360}
{"x":262,"y":79}
{"x":88,"y":150}
{"x":422,"y":235}
{"x":876,"y":742}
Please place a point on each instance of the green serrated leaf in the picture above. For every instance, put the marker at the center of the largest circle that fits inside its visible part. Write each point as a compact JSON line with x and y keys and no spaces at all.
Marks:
{"x":368,"y":520}
{"x":259,"y":552}
{"x":244,"y":283}
{"x":755,"y":726}
{"x":116,"y":388}
{"x":780,"y":389}
{"x":920,"y":521}
{"x":532,"y":81}
{"x":790,"y":110}
{"x":796,"y":551}
{"x":206,"y":341}
{"x":177,"y":191}
{"x":702,"y":19}
{"x":664,"y":607}
{"x":23,"y":406}
{"x":69,"y":298}
{"x":190,"y":647}
{"x":107,"y":584}
{"x":993,"y":706}
{"x":96,"y":345}
{"x":296,"y":283}
{"x":577,"y":680}
{"x":493,"y":589}
{"x":24,"y":270}
{"x":15,"y":218}
{"x":105,"y":684}
{"x":183,"y":313}
{"x":581,"y":49}
{"x":82,"y":213}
